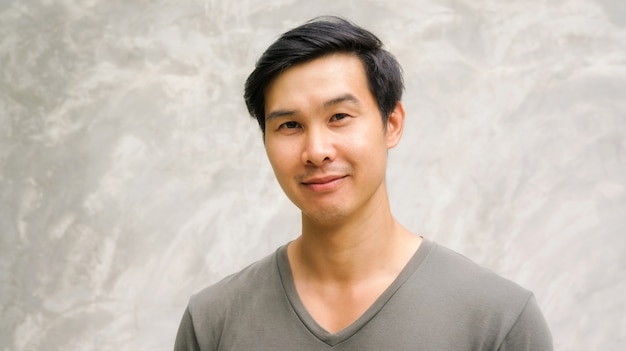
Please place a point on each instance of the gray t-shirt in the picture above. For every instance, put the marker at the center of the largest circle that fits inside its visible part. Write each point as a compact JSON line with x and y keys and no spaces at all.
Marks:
{"x":440,"y":301}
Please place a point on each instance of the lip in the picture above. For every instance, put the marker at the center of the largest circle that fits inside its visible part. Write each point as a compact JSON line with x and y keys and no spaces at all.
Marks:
{"x":325,"y":183}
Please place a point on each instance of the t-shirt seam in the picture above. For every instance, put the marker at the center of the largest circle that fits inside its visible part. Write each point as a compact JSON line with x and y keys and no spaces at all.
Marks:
{"x":517,"y":319}
{"x":193,"y":326}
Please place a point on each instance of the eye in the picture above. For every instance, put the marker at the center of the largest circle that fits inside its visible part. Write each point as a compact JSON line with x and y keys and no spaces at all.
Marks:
{"x":290,"y":125}
{"x":338,"y":116}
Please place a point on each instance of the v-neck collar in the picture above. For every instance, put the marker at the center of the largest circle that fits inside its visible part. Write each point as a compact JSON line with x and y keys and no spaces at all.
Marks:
{"x":318,"y":331}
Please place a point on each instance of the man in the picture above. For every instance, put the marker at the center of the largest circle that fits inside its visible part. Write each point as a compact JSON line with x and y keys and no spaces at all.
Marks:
{"x":327,"y":97}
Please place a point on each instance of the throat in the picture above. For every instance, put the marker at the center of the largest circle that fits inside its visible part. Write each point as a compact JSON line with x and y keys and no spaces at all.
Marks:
{"x":336,"y":308}
{"x":339,"y":283}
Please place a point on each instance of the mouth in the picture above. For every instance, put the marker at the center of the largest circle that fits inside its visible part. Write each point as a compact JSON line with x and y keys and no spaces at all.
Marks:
{"x":325,"y":183}
{"x":322,"y":180}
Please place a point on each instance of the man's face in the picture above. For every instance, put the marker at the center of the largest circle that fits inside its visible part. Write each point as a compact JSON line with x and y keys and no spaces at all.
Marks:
{"x":325,"y":138}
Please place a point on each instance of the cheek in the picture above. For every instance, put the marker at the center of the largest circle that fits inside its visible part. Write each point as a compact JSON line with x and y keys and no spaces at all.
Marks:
{"x":374,"y":159}
{"x":280,"y":157}
{"x":370,"y":144}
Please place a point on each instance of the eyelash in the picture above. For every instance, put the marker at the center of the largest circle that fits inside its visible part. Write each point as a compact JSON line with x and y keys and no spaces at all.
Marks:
{"x":343,"y":115}
{"x":294,"y":124}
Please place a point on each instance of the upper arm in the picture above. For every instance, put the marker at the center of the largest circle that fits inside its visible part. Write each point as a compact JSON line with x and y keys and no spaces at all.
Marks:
{"x":530,"y":332}
{"x":186,"y":337}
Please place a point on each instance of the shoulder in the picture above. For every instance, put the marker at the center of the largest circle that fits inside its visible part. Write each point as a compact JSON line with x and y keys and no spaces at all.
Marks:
{"x":452,"y":269}
{"x":230,"y":289}
{"x":481,"y":301}
{"x":215,"y":309}
{"x":468,"y":291}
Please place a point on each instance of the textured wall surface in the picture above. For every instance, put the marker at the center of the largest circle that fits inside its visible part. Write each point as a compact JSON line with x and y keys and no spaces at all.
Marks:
{"x":131,"y":175}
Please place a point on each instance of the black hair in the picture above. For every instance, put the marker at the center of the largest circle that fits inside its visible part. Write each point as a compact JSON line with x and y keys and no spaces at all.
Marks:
{"x":320,"y":37}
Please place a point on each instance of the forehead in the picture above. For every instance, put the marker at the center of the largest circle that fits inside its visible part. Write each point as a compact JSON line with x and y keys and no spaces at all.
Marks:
{"x":315,"y":82}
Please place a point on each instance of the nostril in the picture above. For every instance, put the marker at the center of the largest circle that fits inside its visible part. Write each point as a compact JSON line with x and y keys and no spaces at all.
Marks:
{"x":318,"y":146}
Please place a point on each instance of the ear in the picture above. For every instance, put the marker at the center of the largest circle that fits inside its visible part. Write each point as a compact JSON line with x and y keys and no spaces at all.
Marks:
{"x":395,"y":125}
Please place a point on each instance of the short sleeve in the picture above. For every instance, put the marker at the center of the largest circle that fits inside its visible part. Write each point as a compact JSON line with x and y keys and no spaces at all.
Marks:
{"x":530,"y":332}
{"x":186,"y":337}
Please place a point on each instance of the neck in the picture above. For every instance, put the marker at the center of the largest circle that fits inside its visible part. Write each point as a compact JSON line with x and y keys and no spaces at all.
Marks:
{"x":350,"y":249}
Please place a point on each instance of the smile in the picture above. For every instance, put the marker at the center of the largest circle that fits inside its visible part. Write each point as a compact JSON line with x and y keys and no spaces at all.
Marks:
{"x":323,"y":184}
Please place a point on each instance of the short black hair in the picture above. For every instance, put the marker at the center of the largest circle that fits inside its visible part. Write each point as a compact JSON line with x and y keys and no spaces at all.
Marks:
{"x":320,"y":37}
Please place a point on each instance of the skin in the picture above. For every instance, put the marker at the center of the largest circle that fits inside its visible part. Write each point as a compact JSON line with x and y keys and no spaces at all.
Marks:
{"x":328,"y":148}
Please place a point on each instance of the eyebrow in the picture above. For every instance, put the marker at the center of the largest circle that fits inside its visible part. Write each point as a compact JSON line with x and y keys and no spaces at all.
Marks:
{"x":341,"y":99}
{"x":328,"y":104}
{"x":280,"y":113}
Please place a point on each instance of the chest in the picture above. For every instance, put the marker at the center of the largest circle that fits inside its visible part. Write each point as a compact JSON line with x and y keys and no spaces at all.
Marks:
{"x":336,"y":307}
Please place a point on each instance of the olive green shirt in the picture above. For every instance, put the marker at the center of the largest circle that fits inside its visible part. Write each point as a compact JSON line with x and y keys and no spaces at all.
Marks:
{"x":440,"y":301}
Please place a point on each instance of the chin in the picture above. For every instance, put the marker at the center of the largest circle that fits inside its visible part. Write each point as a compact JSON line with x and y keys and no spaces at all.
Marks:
{"x":326,"y":215}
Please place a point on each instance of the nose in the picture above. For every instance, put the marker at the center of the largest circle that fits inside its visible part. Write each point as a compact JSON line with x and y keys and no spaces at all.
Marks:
{"x":318,"y":147}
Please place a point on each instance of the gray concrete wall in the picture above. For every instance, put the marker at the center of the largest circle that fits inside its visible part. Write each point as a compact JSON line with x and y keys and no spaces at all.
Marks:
{"x":131,"y":175}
